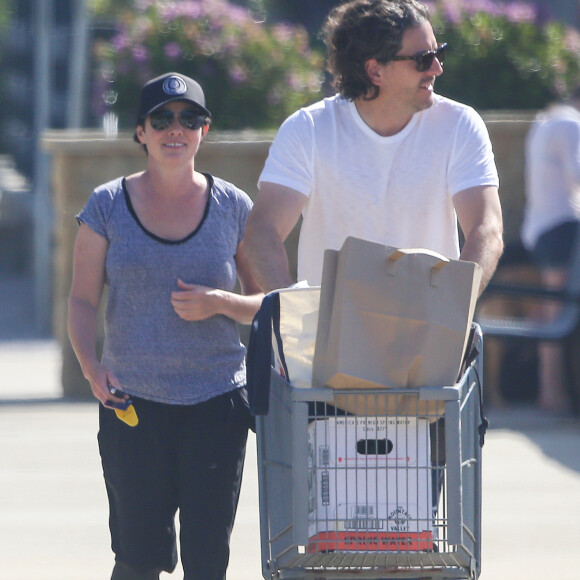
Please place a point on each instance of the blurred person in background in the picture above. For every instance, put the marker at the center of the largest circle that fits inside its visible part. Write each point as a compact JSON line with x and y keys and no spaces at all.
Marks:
{"x":551,"y":225}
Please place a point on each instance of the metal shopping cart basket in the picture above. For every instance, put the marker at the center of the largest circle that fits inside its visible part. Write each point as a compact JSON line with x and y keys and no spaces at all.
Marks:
{"x":378,"y":483}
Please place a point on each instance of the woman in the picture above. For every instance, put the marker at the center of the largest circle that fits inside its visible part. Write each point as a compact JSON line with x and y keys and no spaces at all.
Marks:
{"x":165,"y":241}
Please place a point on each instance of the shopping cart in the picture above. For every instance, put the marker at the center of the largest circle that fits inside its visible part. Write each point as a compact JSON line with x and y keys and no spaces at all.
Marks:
{"x":378,"y":483}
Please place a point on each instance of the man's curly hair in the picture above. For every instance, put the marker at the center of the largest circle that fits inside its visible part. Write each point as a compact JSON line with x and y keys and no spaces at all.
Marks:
{"x":360,"y":30}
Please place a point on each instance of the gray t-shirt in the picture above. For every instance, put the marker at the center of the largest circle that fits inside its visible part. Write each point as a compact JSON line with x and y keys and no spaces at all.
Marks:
{"x":155,"y":354}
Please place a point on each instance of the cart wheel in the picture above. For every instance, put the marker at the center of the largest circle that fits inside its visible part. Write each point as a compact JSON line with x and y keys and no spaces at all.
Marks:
{"x":275,"y":574}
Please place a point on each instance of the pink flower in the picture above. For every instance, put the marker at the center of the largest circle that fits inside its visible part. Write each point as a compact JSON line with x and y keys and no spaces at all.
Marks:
{"x":185,"y":9}
{"x":140,"y":53}
{"x":172,"y":50}
{"x":283,"y":33}
{"x":120,"y":41}
{"x":237,"y":74}
{"x":293,"y":81}
{"x":520,"y":12}
{"x":572,"y":41}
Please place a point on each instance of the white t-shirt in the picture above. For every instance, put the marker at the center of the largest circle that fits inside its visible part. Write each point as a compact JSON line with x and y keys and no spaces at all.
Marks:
{"x":552,"y":172}
{"x":394,"y":190}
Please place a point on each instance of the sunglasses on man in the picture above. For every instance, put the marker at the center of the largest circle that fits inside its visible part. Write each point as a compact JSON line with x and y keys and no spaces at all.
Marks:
{"x":188,"y":118}
{"x":424,"y":61}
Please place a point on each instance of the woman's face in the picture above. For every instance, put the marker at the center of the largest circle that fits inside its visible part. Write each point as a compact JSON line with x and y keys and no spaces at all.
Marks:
{"x":169,"y":139}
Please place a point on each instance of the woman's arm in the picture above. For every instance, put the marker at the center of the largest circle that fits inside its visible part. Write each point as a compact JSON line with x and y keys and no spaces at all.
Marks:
{"x":85,"y":296}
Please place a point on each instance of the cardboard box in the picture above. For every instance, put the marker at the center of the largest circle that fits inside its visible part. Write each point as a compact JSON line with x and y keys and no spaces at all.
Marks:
{"x":370,"y":484}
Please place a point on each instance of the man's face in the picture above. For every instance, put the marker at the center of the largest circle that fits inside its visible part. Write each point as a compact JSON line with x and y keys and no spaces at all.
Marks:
{"x":401,"y":84}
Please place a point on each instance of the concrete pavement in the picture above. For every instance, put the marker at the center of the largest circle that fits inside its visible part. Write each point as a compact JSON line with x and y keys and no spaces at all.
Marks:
{"x":53,"y":510}
{"x":53,"y":506}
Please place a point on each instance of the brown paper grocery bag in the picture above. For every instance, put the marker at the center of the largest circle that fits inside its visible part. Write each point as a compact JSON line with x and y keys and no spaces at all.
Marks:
{"x":392,"y":317}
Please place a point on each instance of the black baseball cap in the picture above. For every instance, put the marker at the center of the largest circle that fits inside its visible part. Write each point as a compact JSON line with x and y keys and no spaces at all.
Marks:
{"x":168,"y":88}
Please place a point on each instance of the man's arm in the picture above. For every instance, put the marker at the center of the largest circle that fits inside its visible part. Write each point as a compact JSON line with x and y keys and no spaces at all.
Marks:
{"x":479,"y":214}
{"x":276,"y":211}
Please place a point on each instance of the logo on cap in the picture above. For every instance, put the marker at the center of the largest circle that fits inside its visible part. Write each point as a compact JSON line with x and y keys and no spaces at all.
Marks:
{"x":174,"y":86}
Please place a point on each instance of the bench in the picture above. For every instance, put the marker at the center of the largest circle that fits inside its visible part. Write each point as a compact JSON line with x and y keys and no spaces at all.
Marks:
{"x":564,"y":328}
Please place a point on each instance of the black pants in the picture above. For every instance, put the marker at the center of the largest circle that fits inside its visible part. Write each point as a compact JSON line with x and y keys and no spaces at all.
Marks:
{"x":178,"y":457}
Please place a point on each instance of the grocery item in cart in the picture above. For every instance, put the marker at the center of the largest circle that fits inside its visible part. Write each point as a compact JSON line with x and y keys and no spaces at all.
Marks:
{"x":392,"y":317}
{"x":370,"y":485}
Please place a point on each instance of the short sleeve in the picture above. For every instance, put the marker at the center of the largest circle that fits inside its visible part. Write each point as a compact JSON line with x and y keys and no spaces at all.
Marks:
{"x":245,"y":207}
{"x":99,"y":206}
{"x":237,"y":206}
{"x":290,"y":159}
{"x":472,"y":161}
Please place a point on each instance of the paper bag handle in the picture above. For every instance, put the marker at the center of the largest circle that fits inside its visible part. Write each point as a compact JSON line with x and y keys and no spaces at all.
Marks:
{"x":435,"y":269}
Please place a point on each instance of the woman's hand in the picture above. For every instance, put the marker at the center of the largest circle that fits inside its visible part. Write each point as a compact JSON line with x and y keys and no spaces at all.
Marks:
{"x":195,"y":302}
{"x":101,"y":380}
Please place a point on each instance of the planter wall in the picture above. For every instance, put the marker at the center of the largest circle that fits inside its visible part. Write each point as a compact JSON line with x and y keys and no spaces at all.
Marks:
{"x":508,"y":130}
{"x":83,"y":160}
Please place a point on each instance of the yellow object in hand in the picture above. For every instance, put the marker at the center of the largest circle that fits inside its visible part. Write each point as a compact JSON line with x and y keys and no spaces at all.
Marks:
{"x":128,"y":416}
{"x":126,"y":412}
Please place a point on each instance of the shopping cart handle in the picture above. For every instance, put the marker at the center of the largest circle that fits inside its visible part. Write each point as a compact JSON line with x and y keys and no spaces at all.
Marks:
{"x":451,"y":393}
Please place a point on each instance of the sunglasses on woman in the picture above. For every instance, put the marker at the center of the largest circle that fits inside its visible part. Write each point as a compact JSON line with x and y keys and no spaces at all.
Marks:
{"x":424,"y":61}
{"x":188,"y":118}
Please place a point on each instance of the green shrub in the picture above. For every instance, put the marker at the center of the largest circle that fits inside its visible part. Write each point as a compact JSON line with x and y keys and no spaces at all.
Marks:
{"x":502,"y":56}
{"x":253,"y":74}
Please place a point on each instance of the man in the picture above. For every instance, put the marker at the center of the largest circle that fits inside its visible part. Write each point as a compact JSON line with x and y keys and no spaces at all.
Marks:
{"x":551,"y":225}
{"x":386,"y":159}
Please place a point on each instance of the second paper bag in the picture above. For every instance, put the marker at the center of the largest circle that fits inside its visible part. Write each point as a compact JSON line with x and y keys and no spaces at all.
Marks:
{"x":392,"y":318}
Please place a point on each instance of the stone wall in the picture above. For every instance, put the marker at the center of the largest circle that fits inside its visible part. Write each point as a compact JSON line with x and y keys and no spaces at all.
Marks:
{"x":83,"y":160}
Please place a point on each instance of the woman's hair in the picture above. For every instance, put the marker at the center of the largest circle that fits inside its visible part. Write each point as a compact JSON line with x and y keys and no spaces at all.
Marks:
{"x":360,"y":30}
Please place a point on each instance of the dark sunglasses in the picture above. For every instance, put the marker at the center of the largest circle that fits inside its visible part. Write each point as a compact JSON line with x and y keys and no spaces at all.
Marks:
{"x":424,"y":61}
{"x":162,"y":119}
